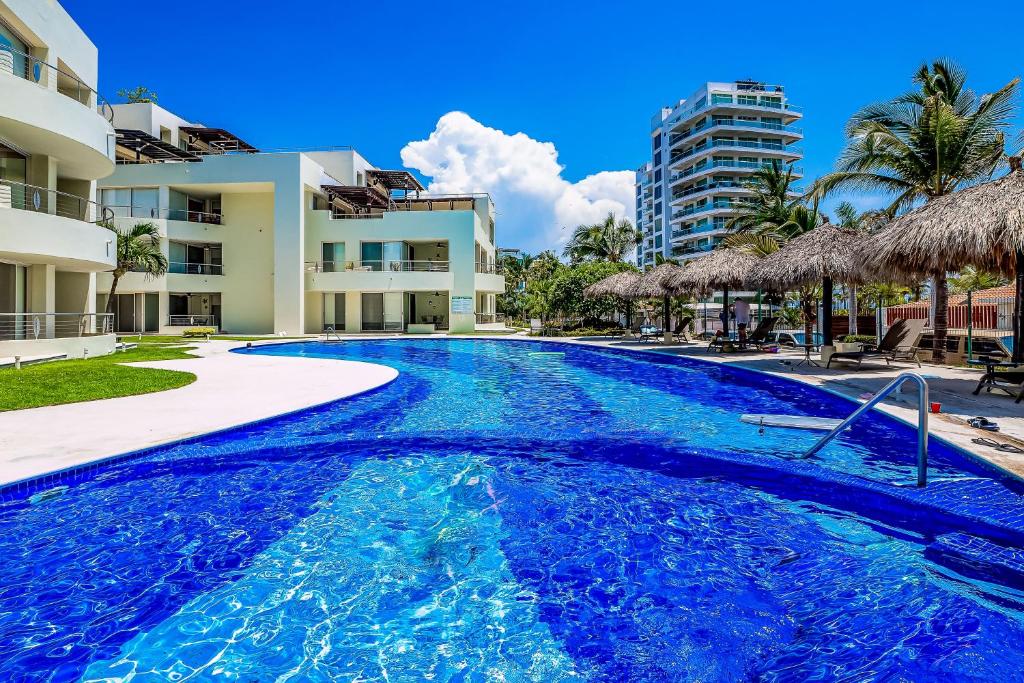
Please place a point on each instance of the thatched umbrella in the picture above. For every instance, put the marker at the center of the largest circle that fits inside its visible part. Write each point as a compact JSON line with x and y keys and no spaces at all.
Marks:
{"x":659,"y":282}
{"x":723,"y":269}
{"x":980,"y":226}
{"x":621,"y":285}
{"x":827,"y":254}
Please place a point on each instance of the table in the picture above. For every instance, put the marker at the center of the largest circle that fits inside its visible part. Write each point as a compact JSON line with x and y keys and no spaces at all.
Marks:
{"x":807,"y":355}
{"x":990,"y":379}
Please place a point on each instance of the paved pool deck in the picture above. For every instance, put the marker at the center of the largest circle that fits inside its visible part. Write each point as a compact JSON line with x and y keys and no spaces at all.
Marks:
{"x":230,"y":389}
{"x":948,"y":386}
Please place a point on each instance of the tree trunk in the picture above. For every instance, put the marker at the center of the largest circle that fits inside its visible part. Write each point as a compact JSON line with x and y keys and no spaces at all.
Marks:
{"x":852,"y":313}
{"x":110,"y":297}
{"x":940,"y":298}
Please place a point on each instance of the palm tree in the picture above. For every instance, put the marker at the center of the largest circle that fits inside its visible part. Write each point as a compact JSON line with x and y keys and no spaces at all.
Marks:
{"x":609,"y":240}
{"x":138,"y":250}
{"x":970,"y":279}
{"x":851,"y":219}
{"x":925,"y":144}
{"x":770,"y":205}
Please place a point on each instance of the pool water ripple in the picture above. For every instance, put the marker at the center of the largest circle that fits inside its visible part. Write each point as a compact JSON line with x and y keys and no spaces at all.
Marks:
{"x":499,"y":515}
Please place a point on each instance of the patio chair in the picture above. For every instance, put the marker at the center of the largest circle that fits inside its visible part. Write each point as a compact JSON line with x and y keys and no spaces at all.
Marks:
{"x":681,"y":334}
{"x":762,"y":334}
{"x":649,"y":332}
{"x":899,"y":344}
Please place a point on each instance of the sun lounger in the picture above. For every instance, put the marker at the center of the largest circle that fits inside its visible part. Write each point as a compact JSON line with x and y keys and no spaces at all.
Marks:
{"x":758,"y":338}
{"x":649,"y":332}
{"x":1009,"y":381}
{"x":898,"y":344}
{"x":681,"y":333}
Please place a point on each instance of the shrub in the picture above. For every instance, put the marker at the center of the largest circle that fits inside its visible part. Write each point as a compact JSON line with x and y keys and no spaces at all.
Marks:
{"x":862,"y":338}
{"x":198,"y":332}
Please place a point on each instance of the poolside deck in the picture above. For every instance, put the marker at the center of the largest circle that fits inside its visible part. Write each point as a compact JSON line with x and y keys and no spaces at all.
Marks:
{"x":949,"y":386}
{"x":230,"y":389}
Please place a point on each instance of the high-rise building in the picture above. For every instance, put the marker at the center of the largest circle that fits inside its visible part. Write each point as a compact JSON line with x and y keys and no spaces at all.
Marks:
{"x":702,"y":151}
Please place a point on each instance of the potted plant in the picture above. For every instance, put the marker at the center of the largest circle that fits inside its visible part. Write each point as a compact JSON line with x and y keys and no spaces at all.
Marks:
{"x":853,"y":342}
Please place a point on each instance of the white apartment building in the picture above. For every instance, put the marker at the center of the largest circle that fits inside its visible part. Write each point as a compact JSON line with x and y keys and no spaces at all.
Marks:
{"x":703,"y":149}
{"x":262,"y":242}
{"x":56,"y":140}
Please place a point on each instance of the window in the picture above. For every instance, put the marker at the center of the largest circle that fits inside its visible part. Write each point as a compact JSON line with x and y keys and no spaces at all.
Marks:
{"x":333,"y":256}
{"x":657,"y":209}
{"x":165,"y":134}
{"x":142,"y":202}
{"x":657,"y":176}
{"x":656,"y":142}
{"x":12,"y":61}
{"x":658,"y":242}
{"x":718,"y":98}
{"x":748,"y":100}
{"x":773,"y":102}
{"x":657,"y":191}
{"x":657,"y":158}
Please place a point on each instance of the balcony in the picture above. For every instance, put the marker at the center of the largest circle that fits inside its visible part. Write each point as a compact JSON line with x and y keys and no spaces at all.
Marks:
{"x":724,"y":125}
{"x":47,"y":111}
{"x":35,"y":326}
{"x":703,"y":208}
{"x":35,"y":70}
{"x":377,"y":266}
{"x":738,"y":166}
{"x":188,"y":320}
{"x":740,"y":145}
{"x":181,"y":268}
{"x":377,"y":275}
{"x":183,"y":215}
{"x":40,"y":225}
{"x":685,"y":115}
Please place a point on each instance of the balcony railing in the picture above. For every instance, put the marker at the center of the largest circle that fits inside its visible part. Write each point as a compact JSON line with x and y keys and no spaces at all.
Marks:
{"x":489,"y":268}
{"x":771,"y":106}
{"x":33,"y":69}
{"x":738,"y":144}
{"x":483,"y":318}
{"x":15,"y":195}
{"x":192,"y":321}
{"x":709,"y":206}
{"x":195,"y":268}
{"x":169,"y":214}
{"x":734,"y":165}
{"x":377,"y":266}
{"x":32,"y":326}
{"x":734,"y":123}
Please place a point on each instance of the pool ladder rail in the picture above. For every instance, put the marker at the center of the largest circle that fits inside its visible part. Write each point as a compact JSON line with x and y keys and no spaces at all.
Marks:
{"x":329,"y":331}
{"x":922,"y":420}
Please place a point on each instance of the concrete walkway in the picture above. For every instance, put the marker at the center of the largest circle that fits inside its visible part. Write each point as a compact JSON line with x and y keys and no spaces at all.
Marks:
{"x":230,"y":389}
{"x":949,"y":386}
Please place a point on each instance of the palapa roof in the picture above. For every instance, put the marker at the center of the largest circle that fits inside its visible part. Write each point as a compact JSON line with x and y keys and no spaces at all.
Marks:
{"x":981,"y":226}
{"x":620,"y":284}
{"x":721,"y":268}
{"x":827,"y":251}
{"x":657,"y":282}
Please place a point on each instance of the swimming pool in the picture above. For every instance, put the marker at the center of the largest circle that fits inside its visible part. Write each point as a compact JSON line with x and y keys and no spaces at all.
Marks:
{"x":521,"y":511}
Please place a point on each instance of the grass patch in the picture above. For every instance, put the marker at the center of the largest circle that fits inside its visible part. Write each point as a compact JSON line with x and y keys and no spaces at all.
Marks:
{"x":179,"y":339}
{"x":73,"y":381}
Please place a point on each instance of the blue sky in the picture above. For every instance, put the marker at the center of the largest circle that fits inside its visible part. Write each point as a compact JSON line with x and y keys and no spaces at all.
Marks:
{"x":584,"y":77}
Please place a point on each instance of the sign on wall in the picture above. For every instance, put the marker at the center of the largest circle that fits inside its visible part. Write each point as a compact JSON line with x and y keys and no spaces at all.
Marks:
{"x":462,"y":305}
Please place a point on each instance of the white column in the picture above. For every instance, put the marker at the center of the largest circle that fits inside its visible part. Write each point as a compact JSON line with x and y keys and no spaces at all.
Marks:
{"x":289,"y":240}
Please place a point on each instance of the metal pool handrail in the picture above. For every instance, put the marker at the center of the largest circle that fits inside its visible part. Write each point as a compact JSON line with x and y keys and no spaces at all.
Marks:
{"x":922,"y":420}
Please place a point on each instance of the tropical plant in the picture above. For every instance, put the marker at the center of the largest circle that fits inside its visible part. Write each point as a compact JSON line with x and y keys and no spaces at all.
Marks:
{"x":565,"y":295}
{"x":137,"y":94}
{"x":610,"y":240}
{"x":771,"y":203}
{"x":970,"y":279}
{"x":851,"y":219}
{"x":138,"y":250}
{"x":925,"y":144}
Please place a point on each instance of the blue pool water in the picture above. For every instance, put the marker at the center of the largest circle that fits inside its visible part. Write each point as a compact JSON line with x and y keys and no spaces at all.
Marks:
{"x":499,"y":514}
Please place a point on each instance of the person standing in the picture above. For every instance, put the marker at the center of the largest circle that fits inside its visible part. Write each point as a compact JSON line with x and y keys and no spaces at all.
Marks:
{"x":742,"y":311}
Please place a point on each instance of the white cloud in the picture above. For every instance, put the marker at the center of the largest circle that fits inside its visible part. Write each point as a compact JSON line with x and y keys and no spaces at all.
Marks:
{"x":536,"y":207}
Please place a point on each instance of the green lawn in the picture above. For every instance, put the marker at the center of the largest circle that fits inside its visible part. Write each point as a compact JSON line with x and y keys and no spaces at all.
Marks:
{"x":72,"y":381}
{"x":178,"y":339}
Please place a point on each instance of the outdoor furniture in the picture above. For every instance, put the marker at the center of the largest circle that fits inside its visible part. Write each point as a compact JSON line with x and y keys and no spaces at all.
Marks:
{"x":807,"y":355}
{"x":649,"y":332}
{"x":679,"y":334}
{"x":537,"y":326}
{"x":1010,"y":381}
{"x":760,"y":336}
{"x":898,"y":344}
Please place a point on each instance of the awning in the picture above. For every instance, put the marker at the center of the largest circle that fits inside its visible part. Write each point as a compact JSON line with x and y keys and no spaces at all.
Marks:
{"x":358,"y":196}
{"x":395,"y":180}
{"x":217,"y":139}
{"x":154,"y":148}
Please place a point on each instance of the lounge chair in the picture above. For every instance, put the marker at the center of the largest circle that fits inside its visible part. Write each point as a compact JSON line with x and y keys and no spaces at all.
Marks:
{"x":898,"y":344}
{"x":1010,"y":381}
{"x":762,"y":333}
{"x":681,"y":334}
